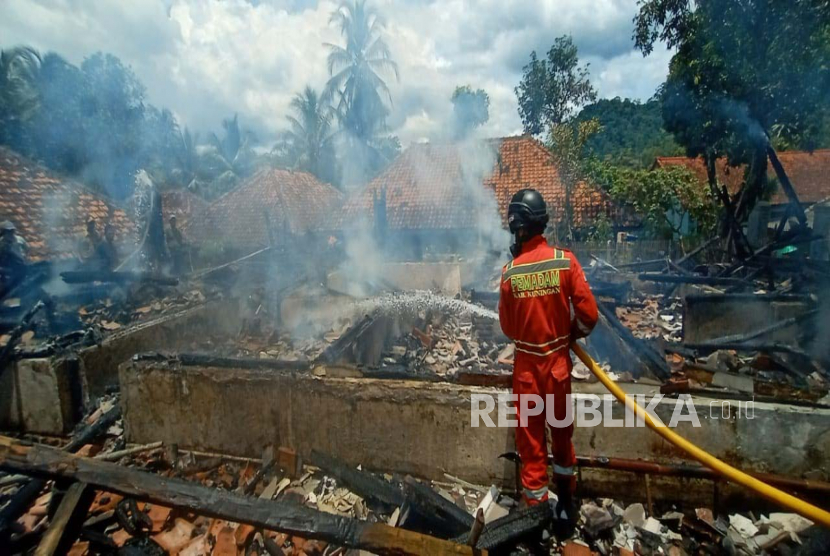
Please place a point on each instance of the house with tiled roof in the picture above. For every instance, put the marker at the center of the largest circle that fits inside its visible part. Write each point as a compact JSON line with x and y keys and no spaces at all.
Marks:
{"x":274,"y":206}
{"x":50,"y":212}
{"x":809,"y":173}
{"x":455,"y":187}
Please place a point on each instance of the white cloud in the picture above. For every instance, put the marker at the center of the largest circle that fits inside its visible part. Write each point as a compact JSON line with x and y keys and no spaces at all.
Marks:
{"x":206,"y":59}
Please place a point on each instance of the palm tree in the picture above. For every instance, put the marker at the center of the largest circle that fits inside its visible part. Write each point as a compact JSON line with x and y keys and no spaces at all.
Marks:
{"x":19,"y":69}
{"x":187,"y":163}
{"x":309,"y":136}
{"x":230,"y":158}
{"x":355,"y":84}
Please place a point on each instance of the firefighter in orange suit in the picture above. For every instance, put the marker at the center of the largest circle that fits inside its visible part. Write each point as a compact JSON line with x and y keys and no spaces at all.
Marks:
{"x":544,"y":303}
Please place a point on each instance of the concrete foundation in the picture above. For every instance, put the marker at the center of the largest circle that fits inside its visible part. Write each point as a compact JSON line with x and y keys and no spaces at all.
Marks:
{"x":706,"y":317}
{"x":425,"y":429}
{"x":47,"y":395}
{"x":176,"y":332}
{"x":41,"y":396}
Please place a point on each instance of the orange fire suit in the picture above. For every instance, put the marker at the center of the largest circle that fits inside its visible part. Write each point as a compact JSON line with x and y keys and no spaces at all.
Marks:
{"x":544,"y":303}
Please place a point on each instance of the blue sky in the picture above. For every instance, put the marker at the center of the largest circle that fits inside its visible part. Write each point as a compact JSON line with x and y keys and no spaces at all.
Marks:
{"x":206,"y":59}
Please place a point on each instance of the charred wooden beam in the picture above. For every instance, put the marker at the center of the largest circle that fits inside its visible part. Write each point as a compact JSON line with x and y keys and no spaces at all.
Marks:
{"x":339,"y":349}
{"x":655,"y":362}
{"x":363,"y":483}
{"x":15,"y":335}
{"x":748,"y":347}
{"x":513,"y":528}
{"x":117,"y":277}
{"x":27,"y":494}
{"x":428,"y":504}
{"x":794,"y":207}
{"x":207,"y":360}
{"x":705,"y":280}
{"x":289,"y":518}
{"x":740,"y":338}
{"x":65,"y":526}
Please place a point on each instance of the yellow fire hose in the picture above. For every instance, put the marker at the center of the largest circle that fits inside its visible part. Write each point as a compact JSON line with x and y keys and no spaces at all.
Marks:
{"x":801,"y":507}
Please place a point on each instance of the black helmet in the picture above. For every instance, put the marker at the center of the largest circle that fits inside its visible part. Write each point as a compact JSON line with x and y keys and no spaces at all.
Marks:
{"x":528,"y":210}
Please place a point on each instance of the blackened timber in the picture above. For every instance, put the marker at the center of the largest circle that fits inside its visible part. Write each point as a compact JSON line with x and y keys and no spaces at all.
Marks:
{"x":519,"y":525}
{"x":650,"y":357}
{"x":740,"y":338}
{"x":337,"y":350}
{"x":400,"y":372}
{"x":65,"y":525}
{"x":698,"y":249}
{"x":749,"y":347}
{"x":705,"y":280}
{"x":277,"y":516}
{"x":27,"y":494}
{"x":795,"y":205}
{"x":431,"y":505}
{"x":207,"y":360}
{"x":363,"y":483}
{"x":117,"y":277}
{"x":16,"y":334}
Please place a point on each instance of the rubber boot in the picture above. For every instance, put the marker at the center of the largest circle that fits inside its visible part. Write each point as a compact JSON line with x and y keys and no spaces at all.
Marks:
{"x":565,"y":512}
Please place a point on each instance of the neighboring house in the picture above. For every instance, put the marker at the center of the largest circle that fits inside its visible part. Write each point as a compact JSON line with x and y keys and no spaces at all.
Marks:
{"x":444,"y":195}
{"x":274,"y":206}
{"x":808,"y":172}
{"x":50,"y":211}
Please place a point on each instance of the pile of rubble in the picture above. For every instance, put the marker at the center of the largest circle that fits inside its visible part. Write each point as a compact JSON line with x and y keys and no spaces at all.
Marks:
{"x":651,"y":318}
{"x":446,"y":344}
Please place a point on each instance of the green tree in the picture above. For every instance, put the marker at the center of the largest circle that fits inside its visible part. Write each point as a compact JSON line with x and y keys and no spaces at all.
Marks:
{"x":567,"y":144}
{"x":355,"y":83}
{"x":666,"y":198}
{"x":309,"y":136}
{"x":632,"y":132}
{"x":742,"y":71}
{"x":19,"y":99}
{"x":229,"y":158}
{"x":470,"y":108}
{"x":552,"y":89}
{"x":187,"y":168}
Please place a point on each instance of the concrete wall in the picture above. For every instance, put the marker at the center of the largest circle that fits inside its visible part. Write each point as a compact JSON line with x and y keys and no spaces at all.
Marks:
{"x":424,"y":429}
{"x":47,"y":395}
{"x":706,"y":317}
{"x":41,"y":396}
{"x":170,"y":332}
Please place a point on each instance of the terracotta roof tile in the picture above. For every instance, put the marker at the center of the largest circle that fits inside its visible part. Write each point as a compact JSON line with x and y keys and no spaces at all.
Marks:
{"x":425,"y":186}
{"x":808,"y":172}
{"x":296,"y":202}
{"x":50,"y":212}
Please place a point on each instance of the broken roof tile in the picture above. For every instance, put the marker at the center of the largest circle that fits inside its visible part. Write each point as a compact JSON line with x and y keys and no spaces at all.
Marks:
{"x":50,"y":212}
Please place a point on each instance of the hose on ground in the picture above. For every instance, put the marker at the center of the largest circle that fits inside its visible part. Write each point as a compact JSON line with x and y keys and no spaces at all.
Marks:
{"x":790,"y":502}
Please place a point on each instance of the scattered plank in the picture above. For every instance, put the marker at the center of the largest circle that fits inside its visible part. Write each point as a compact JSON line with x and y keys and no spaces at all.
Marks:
{"x":289,"y":518}
{"x":705,"y":280}
{"x":65,"y":526}
{"x":440,"y":512}
{"x":117,"y":277}
{"x":14,"y":336}
{"x":362,"y":483}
